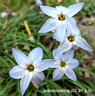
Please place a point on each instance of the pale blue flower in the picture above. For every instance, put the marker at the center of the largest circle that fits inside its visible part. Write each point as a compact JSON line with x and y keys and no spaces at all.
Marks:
{"x":58,"y":19}
{"x":64,"y":65}
{"x":29,"y":68}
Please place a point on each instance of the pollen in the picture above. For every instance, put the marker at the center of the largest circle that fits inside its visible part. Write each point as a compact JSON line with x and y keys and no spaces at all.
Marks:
{"x":61,"y":17}
{"x":30,"y":68}
{"x":71,"y":38}
{"x":62,"y":64}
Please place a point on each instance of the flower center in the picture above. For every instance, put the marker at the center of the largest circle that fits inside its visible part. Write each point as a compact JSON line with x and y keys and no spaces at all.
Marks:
{"x":62,"y":64}
{"x":30,"y":68}
{"x":71,"y":38}
{"x":61,"y":17}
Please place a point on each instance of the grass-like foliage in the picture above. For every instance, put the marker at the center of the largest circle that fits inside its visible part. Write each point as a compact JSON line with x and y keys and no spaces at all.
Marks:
{"x":88,"y":9}
{"x":14,"y":34}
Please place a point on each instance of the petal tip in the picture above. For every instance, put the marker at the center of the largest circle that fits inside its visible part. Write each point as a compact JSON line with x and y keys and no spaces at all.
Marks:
{"x":81,"y":4}
{"x":22,"y":93}
{"x":39,"y":49}
{"x":13,"y":49}
{"x":40,"y":31}
{"x":91,"y":50}
{"x":54,"y":78}
{"x":74,"y":79}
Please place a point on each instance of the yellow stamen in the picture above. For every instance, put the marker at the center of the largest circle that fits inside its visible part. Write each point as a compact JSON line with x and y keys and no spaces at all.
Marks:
{"x":30,"y":68}
{"x":61,"y":17}
{"x":71,"y":38}
{"x":62,"y":64}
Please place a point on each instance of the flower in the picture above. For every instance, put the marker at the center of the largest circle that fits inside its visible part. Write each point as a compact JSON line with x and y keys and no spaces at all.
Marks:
{"x":29,"y":68}
{"x":38,"y":2}
{"x":58,"y":19}
{"x":73,"y":40}
{"x":64,"y":65}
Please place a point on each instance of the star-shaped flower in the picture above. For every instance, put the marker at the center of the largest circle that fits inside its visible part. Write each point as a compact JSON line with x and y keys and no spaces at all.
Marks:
{"x":58,"y":19}
{"x":29,"y":68}
{"x":64,"y":65}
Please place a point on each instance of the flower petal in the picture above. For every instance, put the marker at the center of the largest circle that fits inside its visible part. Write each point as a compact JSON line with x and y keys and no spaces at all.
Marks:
{"x":74,"y":47}
{"x":73,"y":9}
{"x":38,"y":2}
{"x":20,"y":57}
{"x":55,"y":63}
{"x":57,"y":57}
{"x":35,"y":55}
{"x":65,"y":46}
{"x":44,"y":64}
{"x":59,"y":35}
{"x":71,"y":27}
{"x":70,"y":73}
{"x":69,"y":24}
{"x":58,"y":73}
{"x":54,"y":66}
{"x":73,"y":21}
{"x":74,"y":63}
{"x":50,"y":11}
{"x":25,"y":82}
{"x":17,"y":72}
{"x":38,"y":77}
{"x":81,"y":42}
{"x":68,"y":56}
{"x":49,"y":25}
{"x":61,"y":10}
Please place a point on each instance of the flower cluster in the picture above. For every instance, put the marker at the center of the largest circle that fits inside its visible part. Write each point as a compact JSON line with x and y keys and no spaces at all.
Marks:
{"x":30,"y":67}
